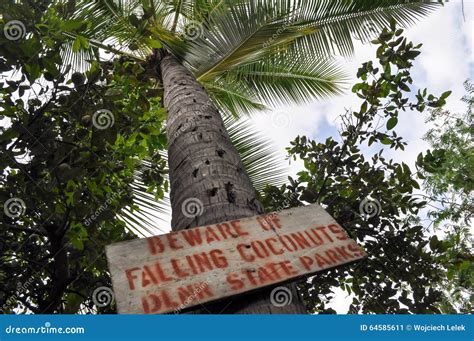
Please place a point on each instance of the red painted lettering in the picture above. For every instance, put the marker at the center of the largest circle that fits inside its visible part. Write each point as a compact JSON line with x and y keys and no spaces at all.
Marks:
{"x":192,"y":236}
{"x":218,"y":258}
{"x":323,"y":230}
{"x":211,"y":236}
{"x":131,"y":277}
{"x":161,"y":275}
{"x":356,"y":249}
{"x":155,"y":301}
{"x":235,"y":282}
{"x":288,"y":268}
{"x":338,"y":231}
{"x":300,"y":240}
{"x":148,"y":277}
{"x":260,"y":249}
{"x":306,"y":262}
{"x":237,"y":228}
{"x":333,"y":256}
{"x":202,"y":261}
{"x":343,"y":253}
{"x":172,"y":241}
{"x":321,"y":260}
{"x":269,"y":242}
{"x":177,"y":269}
{"x":241,"y":248}
{"x":155,"y":245}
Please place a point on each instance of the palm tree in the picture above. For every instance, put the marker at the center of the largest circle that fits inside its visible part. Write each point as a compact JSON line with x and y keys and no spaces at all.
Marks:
{"x":228,"y":58}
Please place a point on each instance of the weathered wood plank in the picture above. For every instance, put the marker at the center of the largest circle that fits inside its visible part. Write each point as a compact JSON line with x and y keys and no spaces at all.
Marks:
{"x":182,"y":269}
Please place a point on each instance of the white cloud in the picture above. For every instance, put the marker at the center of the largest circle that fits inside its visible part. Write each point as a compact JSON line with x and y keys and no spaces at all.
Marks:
{"x":447,"y":60}
{"x":445,"y":63}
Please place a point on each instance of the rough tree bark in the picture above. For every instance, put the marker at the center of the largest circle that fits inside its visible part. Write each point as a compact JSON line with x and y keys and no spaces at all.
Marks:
{"x":207,"y":176}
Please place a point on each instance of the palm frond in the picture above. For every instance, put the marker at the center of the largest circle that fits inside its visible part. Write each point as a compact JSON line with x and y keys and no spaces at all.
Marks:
{"x":339,"y":22}
{"x":289,"y":78}
{"x":233,"y":99}
{"x":251,"y":30}
{"x":148,"y":216}
{"x":262,"y":162}
{"x":238,"y":35}
{"x":112,"y":25}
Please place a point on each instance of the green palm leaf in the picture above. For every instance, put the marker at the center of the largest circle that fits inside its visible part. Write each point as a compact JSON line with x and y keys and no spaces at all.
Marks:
{"x":233,"y":98}
{"x":249,"y":53}
{"x":289,"y":78}
{"x":339,"y":22}
{"x":261,"y":160}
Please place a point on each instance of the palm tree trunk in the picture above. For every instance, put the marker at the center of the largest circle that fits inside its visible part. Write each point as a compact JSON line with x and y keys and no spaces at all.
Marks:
{"x":208,"y":181}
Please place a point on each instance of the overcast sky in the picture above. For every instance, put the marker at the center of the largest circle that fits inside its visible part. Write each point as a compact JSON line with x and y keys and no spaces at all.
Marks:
{"x":445,"y":63}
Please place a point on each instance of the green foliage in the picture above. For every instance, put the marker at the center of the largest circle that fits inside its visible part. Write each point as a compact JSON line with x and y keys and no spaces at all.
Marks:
{"x":448,"y":173}
{"x":81,"y":149}
{"x":247,"y":54}
{"x":72,"y":145}
{"x":374,"y":198}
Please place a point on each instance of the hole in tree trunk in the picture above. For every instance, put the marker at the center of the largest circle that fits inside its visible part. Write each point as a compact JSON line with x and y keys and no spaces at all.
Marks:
{"x":220,"y":152}
{"x":231,"y":195}
{"x":212,"y":192}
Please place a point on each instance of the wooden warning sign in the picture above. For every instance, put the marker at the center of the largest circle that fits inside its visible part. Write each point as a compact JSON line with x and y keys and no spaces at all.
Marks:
{"x":178,"y":270}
